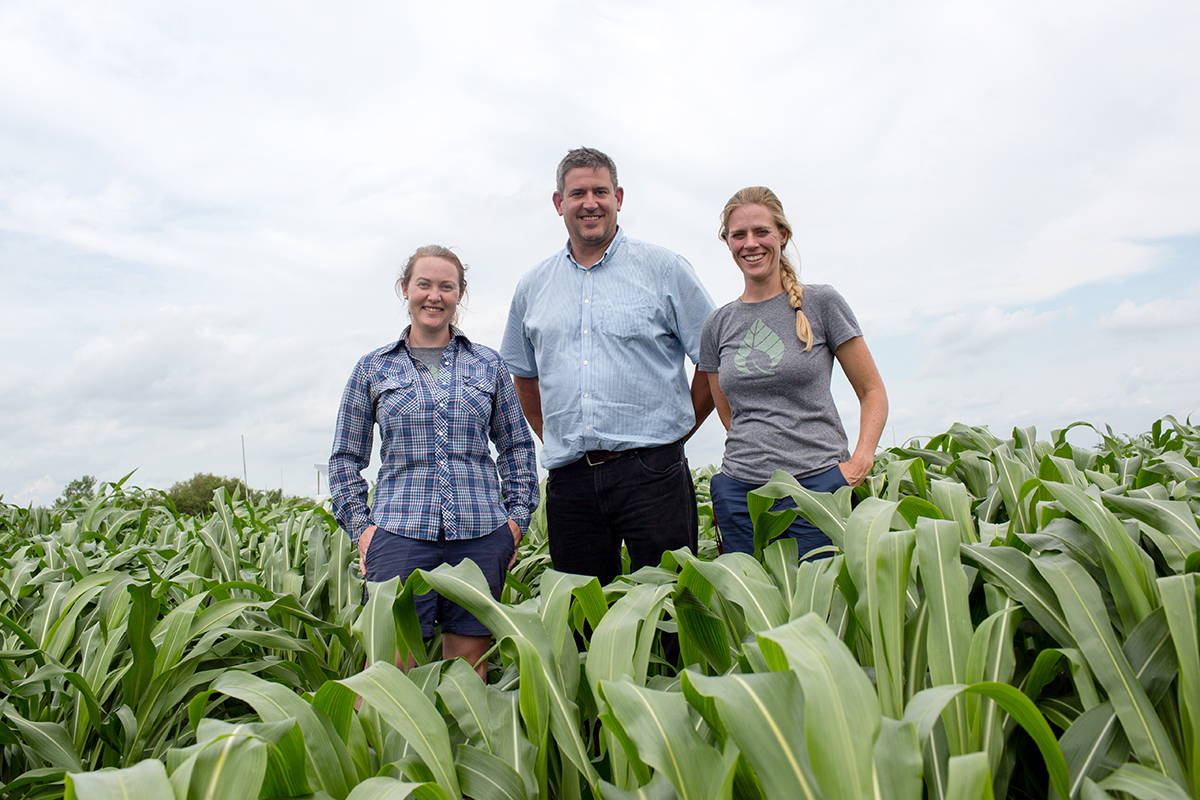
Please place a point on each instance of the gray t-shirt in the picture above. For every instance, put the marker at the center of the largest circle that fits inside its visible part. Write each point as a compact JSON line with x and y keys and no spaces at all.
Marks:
{"x":783,"y":415}
{"x":431,"y":357}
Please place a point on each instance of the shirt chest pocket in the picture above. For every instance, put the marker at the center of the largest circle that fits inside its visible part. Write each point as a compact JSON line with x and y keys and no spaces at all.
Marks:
{"x":628,"y":317}
{"x":396,"y":397}
{"x":477,"y":395}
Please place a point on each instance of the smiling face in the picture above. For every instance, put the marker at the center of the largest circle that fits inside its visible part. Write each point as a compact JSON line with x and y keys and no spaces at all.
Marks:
{"x":433,"y":291}
{"x":588,"y":205}
{"x":755,"y":242}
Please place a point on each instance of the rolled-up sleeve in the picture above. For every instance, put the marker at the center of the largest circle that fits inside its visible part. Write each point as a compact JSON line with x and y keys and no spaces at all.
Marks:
{"x":515,"y":459}
{"x":351,"y":454}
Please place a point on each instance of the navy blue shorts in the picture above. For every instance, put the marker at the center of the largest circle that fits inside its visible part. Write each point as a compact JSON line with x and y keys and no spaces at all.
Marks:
{"x":390,"y":554}
{"x":733,"y":515}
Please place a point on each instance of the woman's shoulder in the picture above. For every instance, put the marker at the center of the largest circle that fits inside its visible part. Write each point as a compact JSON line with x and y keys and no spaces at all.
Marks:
{"x":823,"y":294}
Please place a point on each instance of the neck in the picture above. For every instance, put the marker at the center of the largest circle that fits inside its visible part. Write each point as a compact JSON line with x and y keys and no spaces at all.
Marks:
{"x":757,"y":291}
{"x":586,"y":254}
{"x":418,"y":337}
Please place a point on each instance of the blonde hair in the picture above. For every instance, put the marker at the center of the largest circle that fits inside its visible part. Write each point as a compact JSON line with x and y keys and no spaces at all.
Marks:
{"x":788,"y":274}
{"x":435,"y":251}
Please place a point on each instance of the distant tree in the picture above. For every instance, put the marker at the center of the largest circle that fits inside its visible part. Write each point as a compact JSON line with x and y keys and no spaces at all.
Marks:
{"x":83,"y":488}
{"x":194,"y":497}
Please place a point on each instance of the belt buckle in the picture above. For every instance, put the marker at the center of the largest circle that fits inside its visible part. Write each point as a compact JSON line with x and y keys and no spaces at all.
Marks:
{"x":587,"y":456}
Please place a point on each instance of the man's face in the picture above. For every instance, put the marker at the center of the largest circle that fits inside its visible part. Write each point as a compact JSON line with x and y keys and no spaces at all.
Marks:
{"x":588,"y":205}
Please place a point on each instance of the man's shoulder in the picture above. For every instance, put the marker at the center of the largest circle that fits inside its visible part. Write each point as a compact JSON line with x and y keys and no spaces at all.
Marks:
{"x":543,"y":270}
{"x":655,"y":252}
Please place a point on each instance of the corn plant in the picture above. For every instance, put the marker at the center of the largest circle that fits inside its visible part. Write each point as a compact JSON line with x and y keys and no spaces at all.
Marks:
{"x":1013,"y":618}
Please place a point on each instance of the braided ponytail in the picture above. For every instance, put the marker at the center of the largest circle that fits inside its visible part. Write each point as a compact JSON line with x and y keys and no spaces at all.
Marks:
{"x":795,"y":293}
{"x":762,"y":196}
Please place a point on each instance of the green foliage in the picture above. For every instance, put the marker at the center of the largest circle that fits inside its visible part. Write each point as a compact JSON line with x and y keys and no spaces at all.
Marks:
{"x":1012,"y":618}
{"x":194,"y":496}
{"x":80,"y":489}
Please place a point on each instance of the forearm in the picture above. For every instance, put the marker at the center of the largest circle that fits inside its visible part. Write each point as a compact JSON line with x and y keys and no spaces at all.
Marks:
{"x":872,"y":416}
{"x":702,"y":399}
{"x":351,"y":454}
{"x":515,"y":456}
{"x":530,"y":396}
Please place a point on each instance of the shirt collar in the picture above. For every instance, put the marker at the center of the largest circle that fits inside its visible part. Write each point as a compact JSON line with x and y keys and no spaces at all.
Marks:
{"x":455,"y":334}
{"x":617,"y":241}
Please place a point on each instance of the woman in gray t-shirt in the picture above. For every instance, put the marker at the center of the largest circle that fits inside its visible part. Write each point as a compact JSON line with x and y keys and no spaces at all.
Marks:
{"x":769,"y":357}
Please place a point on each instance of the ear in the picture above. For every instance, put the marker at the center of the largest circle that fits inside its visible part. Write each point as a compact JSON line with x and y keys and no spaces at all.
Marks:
{"x":558,"y":201}
{"x":620,"y":195}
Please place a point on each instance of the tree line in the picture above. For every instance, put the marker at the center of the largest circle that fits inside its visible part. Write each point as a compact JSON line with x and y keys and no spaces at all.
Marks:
{"x":192,"y":497}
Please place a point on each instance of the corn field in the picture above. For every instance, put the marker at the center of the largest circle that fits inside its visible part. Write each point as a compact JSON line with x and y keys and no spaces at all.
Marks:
{"x":1000,"y":618}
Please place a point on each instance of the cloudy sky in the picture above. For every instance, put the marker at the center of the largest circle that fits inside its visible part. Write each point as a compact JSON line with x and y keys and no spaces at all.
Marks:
{"x":203,"y":205}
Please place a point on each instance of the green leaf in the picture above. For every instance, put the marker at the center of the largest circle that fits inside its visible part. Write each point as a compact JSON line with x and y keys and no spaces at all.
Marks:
{"x":327,"y":760}
{"x":465,"y":697}
{"x":1179,"y":600}
{"x":949,"y":635}
{"x":969,"y":777}
{"x":1144,"y":783}
{"x":658,"y":725}
{"x":145,"y":779}
{"x":819,"y":508}
{"x":841,"y":710}
{"x":765,"y":716}
{"x":1084,"y":608}
{"x":485,"y":777}
{"x":49,"y":740}
{"x":1014,"y":571}
{"x":406,"y":708}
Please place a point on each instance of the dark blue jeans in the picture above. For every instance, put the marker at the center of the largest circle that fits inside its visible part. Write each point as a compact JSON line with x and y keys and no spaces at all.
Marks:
{"x":733,"y":515}
{"x":390,"y":554}
{"x":645,"y":498}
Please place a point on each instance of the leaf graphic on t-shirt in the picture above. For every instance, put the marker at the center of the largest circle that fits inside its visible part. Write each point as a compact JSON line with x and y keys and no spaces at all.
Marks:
{"x":762,"y":340}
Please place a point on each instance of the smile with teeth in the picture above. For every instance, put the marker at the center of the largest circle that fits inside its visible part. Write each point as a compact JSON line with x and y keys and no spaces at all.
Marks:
{"x":754,"y":259}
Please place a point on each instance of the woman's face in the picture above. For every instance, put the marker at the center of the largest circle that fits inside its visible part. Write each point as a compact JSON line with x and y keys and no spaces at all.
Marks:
{"x":755,"y":243}
{"x":433,"y":293}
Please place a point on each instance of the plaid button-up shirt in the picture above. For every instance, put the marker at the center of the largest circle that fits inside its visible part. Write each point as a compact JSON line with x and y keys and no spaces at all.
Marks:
{"x":437,"y":473}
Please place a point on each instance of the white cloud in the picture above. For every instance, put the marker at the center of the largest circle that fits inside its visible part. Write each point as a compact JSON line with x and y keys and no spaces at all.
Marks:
{"x":1163,"y":314}
{"x":200,"y":221}
{"x":974,"y":334}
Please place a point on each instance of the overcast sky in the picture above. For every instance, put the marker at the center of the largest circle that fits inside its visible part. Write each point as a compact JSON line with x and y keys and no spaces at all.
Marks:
{"x":203,"y":206}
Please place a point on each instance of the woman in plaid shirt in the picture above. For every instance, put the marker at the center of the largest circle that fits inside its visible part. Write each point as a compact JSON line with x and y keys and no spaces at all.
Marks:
{"x":438,"y":399}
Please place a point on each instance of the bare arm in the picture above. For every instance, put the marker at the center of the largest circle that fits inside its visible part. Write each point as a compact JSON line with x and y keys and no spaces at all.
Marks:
{"x":702,"y":400}
{"x":530,"y":397}
{"x":860,"y":369}
{"x":719,"y":400}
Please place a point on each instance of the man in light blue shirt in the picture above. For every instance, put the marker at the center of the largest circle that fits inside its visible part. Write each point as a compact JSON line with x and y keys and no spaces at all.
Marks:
{"x":595,"y":342}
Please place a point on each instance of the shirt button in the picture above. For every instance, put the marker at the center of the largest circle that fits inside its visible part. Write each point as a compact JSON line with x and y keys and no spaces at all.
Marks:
{"x":585,"y":394}
{"x":585,"y":330}
{"x":587,"y":301}
{"x":585,"y":363}
{"x":588,"y":428}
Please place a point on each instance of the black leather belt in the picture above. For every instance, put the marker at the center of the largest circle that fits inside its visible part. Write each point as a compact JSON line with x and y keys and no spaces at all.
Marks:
{"x":595,"y":458}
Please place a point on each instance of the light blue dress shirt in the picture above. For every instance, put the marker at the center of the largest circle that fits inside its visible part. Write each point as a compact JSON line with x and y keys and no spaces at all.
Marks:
{"x":606,"y":344}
